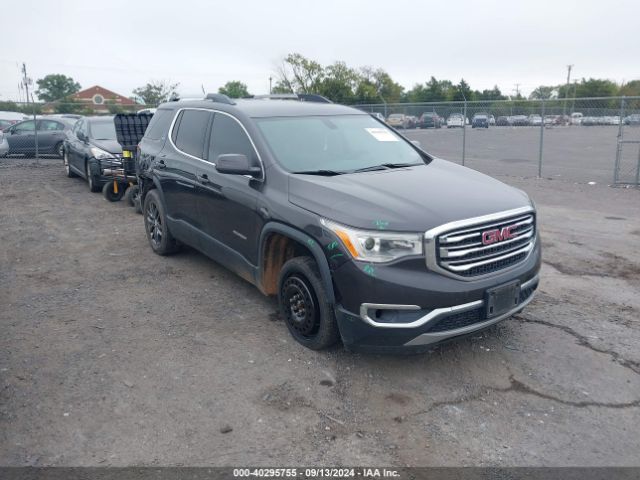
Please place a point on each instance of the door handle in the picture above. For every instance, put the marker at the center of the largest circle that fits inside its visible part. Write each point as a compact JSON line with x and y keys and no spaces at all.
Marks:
{"x":203,"y":178}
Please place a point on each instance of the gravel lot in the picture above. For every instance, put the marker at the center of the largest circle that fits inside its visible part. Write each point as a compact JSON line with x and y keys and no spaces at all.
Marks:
{"x":577,"y":154}
{"x":111,"y":355}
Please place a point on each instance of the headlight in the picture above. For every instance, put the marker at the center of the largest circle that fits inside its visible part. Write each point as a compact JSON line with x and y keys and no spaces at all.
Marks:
{"x":376,"y":245}
{"x":100,"y":154}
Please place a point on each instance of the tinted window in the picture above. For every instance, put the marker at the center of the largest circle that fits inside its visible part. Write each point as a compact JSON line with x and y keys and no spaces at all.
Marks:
{"x":192,"y":131}
{"x":229,"y":137}
{"x":159,"y":125}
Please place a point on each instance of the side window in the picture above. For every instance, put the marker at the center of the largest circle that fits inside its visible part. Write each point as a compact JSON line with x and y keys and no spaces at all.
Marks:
{"x":192,"y":132}
{"x":159,"y":125}
{"x":228,"y":136}
{"x":49,"y":125}
{"x":176,"y":127}
{"x":76,"y":127}
{"x":28,"y":126}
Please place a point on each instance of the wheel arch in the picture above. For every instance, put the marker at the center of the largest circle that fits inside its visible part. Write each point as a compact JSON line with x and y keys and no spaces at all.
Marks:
{"x":279,"y":243}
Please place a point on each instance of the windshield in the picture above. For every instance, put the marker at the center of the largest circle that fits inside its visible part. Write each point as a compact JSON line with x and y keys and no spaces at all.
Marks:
{"x":103,"y":130}
{"x":334,"y":143}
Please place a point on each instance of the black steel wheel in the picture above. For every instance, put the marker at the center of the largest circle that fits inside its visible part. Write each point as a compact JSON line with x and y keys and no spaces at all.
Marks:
{"x":304,"y":304}
{"x":301,"y":309}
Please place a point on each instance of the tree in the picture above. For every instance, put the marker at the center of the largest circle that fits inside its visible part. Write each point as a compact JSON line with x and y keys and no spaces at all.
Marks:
{"x":543,"y":92}
{"x":55,"y":87}
{"x":377,"y":85}
{"x":630,"y":89}
{"x":68,"y":105}
{"x":156,"y":92}
{"x":339,"y":83}
{"x":493,"y":94}
{"x":298,"y":74}
{"x":433,"y":91}
{"x":595,"y":87}
{"x":234,"y":89}
{"x":461,"y":92}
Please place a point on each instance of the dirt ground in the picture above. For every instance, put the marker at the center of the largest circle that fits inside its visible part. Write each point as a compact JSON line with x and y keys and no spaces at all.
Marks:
{"x":111,"y":355}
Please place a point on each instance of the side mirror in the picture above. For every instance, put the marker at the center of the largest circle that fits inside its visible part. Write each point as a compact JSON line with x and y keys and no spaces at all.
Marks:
{"x":416,"y":143}
{"x":81,"y":136}
{"x":236,"y":164}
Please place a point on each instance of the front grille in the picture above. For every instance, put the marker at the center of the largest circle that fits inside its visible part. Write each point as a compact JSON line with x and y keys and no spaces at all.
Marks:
{"x":463,"y":253}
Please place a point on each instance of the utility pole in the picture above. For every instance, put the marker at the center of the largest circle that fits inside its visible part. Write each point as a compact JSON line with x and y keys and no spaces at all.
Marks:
{"x":26,"y":81}
{"x":566,"y":94}
{"x":517,"y":90}
{"x":270,"y":80}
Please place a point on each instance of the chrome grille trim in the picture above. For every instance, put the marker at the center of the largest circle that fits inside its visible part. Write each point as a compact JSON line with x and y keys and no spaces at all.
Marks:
{"x":451,"y":250}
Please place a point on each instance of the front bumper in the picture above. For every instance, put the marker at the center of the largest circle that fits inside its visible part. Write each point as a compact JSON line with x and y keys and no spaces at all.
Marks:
{"x":446,"y":308}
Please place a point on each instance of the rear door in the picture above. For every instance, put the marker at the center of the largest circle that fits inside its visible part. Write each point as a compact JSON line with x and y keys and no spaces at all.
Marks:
{"x":227,"y":203}
{"x":50,"y":133}
{"x":176,"y":167}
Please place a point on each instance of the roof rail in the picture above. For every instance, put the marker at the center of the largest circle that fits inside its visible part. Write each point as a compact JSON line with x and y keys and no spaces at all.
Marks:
{"x":301,"y":97}
{"x":219,"y":98}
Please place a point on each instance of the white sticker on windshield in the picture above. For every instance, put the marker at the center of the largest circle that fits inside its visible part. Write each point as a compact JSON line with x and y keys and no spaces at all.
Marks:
{"x":382,"y":134}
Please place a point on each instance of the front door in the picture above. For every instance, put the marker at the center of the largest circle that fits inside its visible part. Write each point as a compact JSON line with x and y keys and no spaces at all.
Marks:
{"x":21,"y":138}
{"x":227,"y":203}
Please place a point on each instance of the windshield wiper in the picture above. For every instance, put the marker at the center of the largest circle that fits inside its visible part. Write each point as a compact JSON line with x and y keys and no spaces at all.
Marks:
{"x":372,"y":168}
{"x":400,"y":165}
{"x":325,"y":173}
{"x":385,"y":166}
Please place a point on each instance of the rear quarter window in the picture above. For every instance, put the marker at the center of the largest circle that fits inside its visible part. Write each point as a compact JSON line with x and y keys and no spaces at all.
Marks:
{"x":159,"y":125}
{"x":190,"y":137}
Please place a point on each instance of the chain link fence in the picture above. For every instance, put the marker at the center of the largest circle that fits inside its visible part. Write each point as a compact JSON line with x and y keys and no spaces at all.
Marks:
{"x":578,"y":139}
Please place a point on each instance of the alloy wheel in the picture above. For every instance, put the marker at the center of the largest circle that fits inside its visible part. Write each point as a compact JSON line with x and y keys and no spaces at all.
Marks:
{"x":154,"y":225}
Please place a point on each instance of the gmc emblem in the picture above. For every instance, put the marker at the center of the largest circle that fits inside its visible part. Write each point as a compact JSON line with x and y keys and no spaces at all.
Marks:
{"x":498,"y":235}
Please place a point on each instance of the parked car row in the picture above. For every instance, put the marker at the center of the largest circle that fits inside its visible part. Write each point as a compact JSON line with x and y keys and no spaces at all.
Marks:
{"x":484,"y":120}
{"x":18,"y":132}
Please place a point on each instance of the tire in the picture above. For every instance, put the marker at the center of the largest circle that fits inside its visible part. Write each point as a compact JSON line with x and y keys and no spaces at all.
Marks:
{"x":110,"y":194}
{"x":303,"y":303}
{"x":131,"y":195}
{"x":58,"y":149}
{"x":67,"y":168}
{"x":92,"y":180}
{"x":155,"y":225}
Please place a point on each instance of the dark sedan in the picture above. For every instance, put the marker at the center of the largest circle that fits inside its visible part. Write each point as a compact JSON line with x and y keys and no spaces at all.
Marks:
{"x":51,"y":133}
{"x":90,"y":149}
{"x":480,"y":120}
{"x":430,"y":120}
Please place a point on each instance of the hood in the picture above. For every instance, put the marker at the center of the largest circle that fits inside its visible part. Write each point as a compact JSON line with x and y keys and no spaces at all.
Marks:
{"x":111,"y":146}
{"x":411,"y":199}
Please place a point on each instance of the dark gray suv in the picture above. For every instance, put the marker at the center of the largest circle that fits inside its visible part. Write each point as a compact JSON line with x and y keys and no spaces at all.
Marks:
{"x":360,"y":234}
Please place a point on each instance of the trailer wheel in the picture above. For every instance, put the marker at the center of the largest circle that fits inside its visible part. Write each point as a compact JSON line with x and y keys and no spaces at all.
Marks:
{"x":110,"y":194}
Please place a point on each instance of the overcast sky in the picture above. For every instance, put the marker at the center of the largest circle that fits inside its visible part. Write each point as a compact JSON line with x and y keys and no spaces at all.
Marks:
{"x":123,"y":44}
